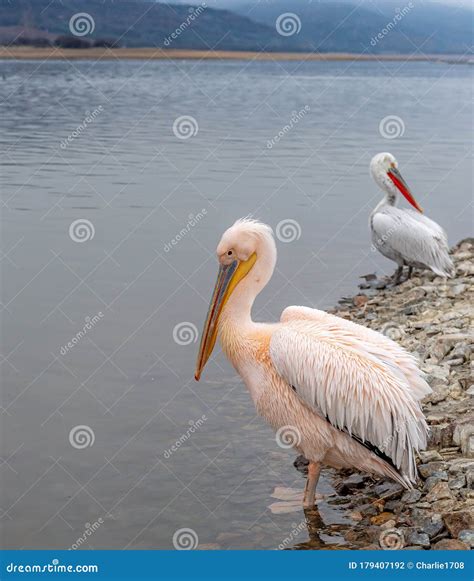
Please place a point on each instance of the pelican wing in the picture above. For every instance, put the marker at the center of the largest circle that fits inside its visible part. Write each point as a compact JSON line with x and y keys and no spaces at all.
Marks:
{"x":392,"y":354}
{"x":416,"y":238}
{"x":344,"y":380}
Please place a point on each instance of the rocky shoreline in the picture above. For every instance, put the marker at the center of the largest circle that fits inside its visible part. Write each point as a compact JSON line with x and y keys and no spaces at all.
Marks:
{"x":432,"y":318}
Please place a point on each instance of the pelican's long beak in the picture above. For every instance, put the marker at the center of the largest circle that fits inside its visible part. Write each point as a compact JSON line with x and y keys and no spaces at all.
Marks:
{"x":227,"y":279}
{"x":402,"y":186}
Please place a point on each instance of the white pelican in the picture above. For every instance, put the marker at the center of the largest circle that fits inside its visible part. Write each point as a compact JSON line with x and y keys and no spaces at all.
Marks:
{"x":408,"y":238}
{"x":349,"y":395}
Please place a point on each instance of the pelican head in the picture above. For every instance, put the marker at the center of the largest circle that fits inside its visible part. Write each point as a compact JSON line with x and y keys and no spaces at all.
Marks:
{"x":247,"y":256}
{"x":384,"y":170}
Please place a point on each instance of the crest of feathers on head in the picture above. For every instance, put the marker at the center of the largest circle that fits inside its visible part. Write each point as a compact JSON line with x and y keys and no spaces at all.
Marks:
{"x":253,"y":227}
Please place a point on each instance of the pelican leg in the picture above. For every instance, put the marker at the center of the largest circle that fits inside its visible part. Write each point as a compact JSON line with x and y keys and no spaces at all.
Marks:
{"x":314,"y":469}
{"x":396,"y":279}
{"x":410,"y":272}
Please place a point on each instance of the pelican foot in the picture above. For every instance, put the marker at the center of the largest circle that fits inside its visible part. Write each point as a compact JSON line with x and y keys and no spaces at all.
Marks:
{"x":396,"y":279}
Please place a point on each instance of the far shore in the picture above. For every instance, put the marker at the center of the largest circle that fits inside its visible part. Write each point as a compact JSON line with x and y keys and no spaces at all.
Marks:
{"x":55,"y":53}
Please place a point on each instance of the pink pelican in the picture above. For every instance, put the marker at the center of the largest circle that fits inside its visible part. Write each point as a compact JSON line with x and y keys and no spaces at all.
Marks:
{"x":408,"y":238}
{"x":348,"y":395}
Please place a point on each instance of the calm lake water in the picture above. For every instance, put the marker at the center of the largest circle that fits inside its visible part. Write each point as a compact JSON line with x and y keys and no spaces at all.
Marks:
{"x":88,"y":429}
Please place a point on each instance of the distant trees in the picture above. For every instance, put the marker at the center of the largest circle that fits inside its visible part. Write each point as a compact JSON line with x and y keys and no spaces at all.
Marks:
{"x":68,"y":41}
{"x":30,"y":41}
{"x":63,"y":41}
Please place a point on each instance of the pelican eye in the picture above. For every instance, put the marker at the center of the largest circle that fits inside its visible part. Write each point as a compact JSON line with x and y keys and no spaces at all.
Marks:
{"x":229,"y":253}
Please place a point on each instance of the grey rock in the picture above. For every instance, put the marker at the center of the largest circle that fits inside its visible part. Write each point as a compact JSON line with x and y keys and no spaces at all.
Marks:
{"x":430,"y":456}
{"x":431,"y":468}
{"x":433,"y":526}
{"x":456,"y":290}
{"x":420,"y":539}
{"x":393,"y":506}
{"x":432,"y":480}
{"x":463,"y":436}
{"x":459,"y":481}
{"x":354,"y":482}
{"x":461,"y":465}
{"x":467,"y":537}
{"x":455,"y":362}
{"x":440,"y":491}
{"x":440,"y":391}
{"x":470,"y":479}
{"x":411,"y":496}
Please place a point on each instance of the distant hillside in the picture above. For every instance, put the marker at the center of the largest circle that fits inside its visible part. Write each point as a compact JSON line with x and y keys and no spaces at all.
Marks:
{"x":134,"y":23}
{"x":353,"y":26}
{"x":372,"y":26}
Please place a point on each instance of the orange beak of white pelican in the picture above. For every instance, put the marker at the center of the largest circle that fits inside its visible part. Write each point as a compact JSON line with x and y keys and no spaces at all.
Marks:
{"x":403,"y":188}
{"x":228,"y":278}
